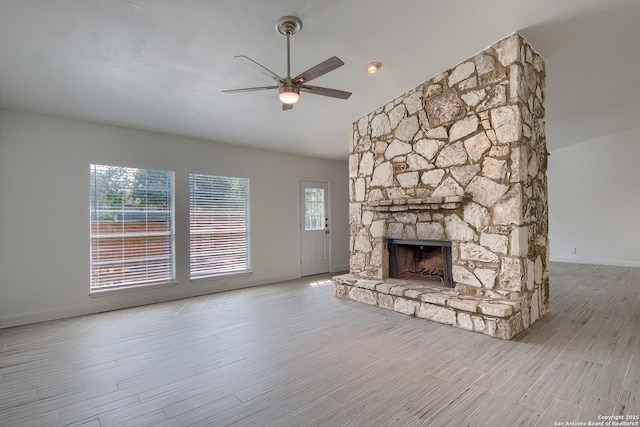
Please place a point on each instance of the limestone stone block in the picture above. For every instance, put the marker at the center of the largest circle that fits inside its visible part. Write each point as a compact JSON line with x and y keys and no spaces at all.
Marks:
{"x":395,"y":230}
{"x":384,"y":288}
{"x":405,"y":217}
{"x":428,"y":147}
{"x":362,"y":242}
{"x":473,"y":252}
{"x":436,"y":313}
{"x":432,"y":177}
{"x":378,"y":228}
{"x":430,"y":231}
{"x":380,"y":126}
{"x":507,"y":124}
{"x":396,"y":115}
{"x":397,"y":290}
{"x":366,"y":164}
{"x":408,"y":179}
{"x":535,"y":306}
{"x":487,"y":277}
{"x":478,"y":324}
{"x":363,"y":125}
{"x":495,"y":309}
{"x":397,"y":148}
{"x":341,"y":291}
{"x":357,"y":261}
{"x":463,"y":304}
{"x":417,"y":162}
{"x":486,"y":191}
{"x":452,"y":155}
{"x":461,"y":72}
{"x":407,"y":128}
{"x":409,"y":232}
{"x":437,"y":298}
{"x":353,"y":165}
{"x":496,"y":97}
{"x":405,"y":306}
{"x":458,"y":230}
{"x":413,"y":102}
{"x":519,"y":242}
{"x":485,"y":63}
{"x":498,"y":151}
{"x":464,"y":276}
{"x":473,"y":98}
{"x":495,"y":242}
{"x":385,"y":301}
{"x":509,"y":209}
{"x":367,"y":217}
{"x":367,"y":284}
{"x":449,"y":187}
{"x":477,"y":145}
{"x":494,"y":168}
{"x":530,"y":276}
{"x":355,"y":212}
{"x":359,"y":189}
{"x":396,"y":193}
{"x":464,"y":321}
{"x":518,"y":164}
{"x":476,"y":215}
{"x":511,"y":274}
{"x":508,"y":50}
{"x":363,"y":295}
{"x":383,"y":175}
{"x":463,"y":127}
{"x":538,"y":270}
{"x":376,"y":254}
{"x":439,"y":132}
{"x":464,"y":174}
{"x":444,"y":108}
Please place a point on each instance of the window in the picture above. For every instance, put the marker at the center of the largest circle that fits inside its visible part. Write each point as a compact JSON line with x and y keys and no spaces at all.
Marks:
{"x":314,"y":209}
{"x":132,"y":227}
{"x":219,"y":232}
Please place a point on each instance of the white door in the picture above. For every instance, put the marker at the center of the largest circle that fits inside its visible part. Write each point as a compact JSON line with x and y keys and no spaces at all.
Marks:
{"x":314,"y":227}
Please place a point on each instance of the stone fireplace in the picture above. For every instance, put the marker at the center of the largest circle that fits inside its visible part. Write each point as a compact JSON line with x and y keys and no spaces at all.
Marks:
{"x":449,"y":179}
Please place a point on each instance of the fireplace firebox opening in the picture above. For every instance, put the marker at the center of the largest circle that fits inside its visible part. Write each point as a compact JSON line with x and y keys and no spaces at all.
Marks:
{"x":428,"y":260}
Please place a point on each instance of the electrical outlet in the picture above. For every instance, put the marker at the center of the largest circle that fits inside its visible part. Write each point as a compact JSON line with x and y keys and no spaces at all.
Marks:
{"x":574,"y":250}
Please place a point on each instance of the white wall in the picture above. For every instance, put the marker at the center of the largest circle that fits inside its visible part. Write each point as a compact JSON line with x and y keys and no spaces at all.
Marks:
{"x":594,"y":201}
{"x":44,"y":211}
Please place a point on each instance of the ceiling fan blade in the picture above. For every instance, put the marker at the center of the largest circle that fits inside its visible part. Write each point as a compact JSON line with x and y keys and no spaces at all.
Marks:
{"x":319,"y":70}
{"x":334,"y":93}
{"x":253,"y":64}
{"x":286,"y":107}
{"x":250,"y":89}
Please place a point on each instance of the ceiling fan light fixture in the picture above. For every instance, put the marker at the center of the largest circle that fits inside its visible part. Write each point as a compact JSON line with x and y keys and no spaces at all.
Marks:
{"x":289,"y":97}
{"x":289,"y":93}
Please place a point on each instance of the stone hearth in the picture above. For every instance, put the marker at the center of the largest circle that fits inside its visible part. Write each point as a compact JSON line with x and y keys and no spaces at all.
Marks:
{"x":460,"y":159}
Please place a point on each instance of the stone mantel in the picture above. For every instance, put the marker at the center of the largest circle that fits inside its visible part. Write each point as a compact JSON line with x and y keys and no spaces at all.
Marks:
{"x":426,"y":204}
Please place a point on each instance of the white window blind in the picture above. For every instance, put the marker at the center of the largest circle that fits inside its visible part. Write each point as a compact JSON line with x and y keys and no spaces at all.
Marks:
{"x":218,"y":224}
{"x":132,"y":226}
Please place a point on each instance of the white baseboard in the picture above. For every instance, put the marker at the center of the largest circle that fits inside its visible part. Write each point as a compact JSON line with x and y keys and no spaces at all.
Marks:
{"x":339,"y":268}
{"x":134,"y":299}
{"x":575,"y":260}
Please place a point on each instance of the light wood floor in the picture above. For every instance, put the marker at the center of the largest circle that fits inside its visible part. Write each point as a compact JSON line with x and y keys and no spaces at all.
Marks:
{"x":291,"y":354}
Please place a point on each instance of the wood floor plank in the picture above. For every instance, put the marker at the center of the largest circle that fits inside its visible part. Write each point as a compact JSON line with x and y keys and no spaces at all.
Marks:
{"x":291,"y":354}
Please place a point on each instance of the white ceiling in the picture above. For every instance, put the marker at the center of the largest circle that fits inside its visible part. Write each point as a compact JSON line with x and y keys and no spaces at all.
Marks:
{"x":161,"y":64}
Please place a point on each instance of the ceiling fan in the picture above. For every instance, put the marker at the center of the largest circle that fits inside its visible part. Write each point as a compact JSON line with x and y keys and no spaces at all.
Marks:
{"x":289,"y":88}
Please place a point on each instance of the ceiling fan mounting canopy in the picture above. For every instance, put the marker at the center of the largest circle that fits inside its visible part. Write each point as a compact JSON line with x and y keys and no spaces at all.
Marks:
{"x":288,"y":25}
{"x":289,"y":88}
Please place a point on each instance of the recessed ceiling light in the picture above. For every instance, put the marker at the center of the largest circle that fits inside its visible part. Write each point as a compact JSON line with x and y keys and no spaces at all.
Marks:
{"x":373,"y":67}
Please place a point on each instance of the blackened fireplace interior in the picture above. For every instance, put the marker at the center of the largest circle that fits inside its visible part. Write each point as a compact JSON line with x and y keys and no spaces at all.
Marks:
{"x":428,"y":260}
